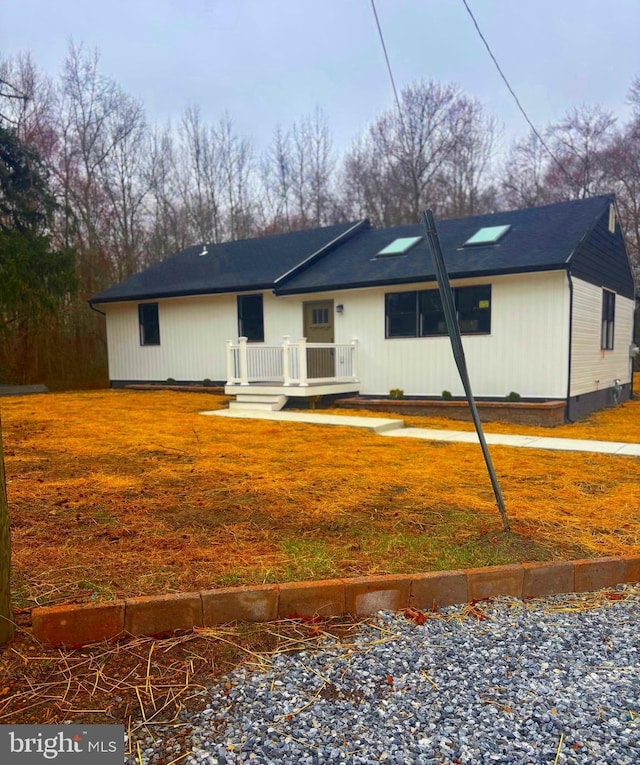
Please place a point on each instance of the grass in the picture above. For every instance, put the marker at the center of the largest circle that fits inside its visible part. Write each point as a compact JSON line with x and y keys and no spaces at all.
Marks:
{"x":117,"y":493}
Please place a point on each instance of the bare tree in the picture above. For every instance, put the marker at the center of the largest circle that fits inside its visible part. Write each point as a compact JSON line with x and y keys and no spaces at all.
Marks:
{"x":167,"y":227}
{"x":621,"y":163}
{"x":236,"y":169}
{"x":198,"y":175}
{"x":523,"y":176}
{"x":297,"y":176}
{"x":32,"y":114}
{"x":275,"y":174}
{"x":427,"y":152}
{"x":123,"y":177}
{"x":578,"y":142}
{"x":463,"y":183}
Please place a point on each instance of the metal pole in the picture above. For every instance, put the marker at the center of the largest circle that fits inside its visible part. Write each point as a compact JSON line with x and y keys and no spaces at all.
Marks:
{"x":446,"y":295}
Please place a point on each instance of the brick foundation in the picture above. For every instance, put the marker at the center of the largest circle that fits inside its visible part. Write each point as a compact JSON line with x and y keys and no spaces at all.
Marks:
{"x":547,"y":414}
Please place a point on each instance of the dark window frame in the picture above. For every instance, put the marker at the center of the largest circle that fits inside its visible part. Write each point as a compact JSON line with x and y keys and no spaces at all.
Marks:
{"x":149,"y":323}
{"x":608,"y":320}
{"x":428,"y":316}
{"x":250,"y":325}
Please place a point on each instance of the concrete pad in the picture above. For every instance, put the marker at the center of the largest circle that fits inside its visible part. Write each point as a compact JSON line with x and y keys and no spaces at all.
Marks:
{"x":396,"y":428}
{"x":375,"y":424}
{"x":630,"y":450}
{"x":576,"y":445}
{"x":22,"y":390}
{"x":427,"y":434}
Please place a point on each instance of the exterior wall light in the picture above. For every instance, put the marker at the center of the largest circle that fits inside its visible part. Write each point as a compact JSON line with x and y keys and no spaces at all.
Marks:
{"x":339,"y":308}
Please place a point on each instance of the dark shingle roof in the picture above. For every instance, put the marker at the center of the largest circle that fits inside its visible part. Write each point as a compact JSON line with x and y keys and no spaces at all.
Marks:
{"x":540,"y":238}
{"x":249,"y":264}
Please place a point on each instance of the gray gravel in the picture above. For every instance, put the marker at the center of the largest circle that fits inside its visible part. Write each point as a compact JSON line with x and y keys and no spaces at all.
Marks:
{"x":550,"y":681}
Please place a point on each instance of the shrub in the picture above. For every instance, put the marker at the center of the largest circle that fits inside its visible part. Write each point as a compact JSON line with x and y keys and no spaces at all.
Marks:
{"x":396,"y":393}
{"x":513,"y":396}
{"x":446,"y":395}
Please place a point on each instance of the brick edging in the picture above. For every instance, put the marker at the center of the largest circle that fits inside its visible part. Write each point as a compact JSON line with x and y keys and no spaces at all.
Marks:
{"x":161,"y":615}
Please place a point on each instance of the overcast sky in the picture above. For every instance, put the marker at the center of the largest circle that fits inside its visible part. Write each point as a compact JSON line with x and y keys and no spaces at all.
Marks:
{"x":266,"y":62}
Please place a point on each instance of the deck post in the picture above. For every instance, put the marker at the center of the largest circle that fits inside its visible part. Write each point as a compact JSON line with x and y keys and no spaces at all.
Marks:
{"x":230,"y":375}
{"x":354,"y":360}
{"x":244,"y":371}
{"x":302,"y":362}
{"x":286,"y":374}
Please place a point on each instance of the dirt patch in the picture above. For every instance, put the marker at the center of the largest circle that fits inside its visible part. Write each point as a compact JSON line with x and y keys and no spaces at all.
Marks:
{"x":519,"y":547}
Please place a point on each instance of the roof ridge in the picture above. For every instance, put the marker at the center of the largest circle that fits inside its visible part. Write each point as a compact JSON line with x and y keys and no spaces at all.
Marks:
{"x":340,"y":239}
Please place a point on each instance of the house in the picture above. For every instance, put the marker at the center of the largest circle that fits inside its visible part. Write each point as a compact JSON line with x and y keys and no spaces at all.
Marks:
{"x":544,"y":296}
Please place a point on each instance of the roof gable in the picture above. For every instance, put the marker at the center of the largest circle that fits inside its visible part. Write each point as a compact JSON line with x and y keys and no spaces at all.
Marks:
{"x":347,"y":255}
{"x":248,"y":264}
{"x":538,"y":238}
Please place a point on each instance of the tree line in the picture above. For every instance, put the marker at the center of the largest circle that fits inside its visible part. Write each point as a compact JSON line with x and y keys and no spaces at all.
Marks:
{"x":91,"y":192}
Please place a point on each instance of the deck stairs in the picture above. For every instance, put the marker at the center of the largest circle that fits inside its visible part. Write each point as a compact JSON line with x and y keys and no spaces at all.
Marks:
{"x":258,"y":401}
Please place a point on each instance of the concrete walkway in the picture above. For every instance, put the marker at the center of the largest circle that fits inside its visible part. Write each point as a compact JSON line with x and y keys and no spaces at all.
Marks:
{"x":376,"y":424}
{"x":395,"y":428}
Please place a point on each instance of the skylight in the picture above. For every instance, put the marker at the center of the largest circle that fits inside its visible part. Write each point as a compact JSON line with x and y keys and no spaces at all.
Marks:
{"x":489,"y":235}
{"x":399,"y":246}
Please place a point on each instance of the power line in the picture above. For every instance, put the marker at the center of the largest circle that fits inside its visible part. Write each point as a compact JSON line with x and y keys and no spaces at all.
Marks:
{"x":386,"y":58}
{"x":516,"y":99}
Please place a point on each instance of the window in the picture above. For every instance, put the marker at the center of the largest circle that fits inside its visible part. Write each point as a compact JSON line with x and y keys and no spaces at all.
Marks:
{"x":399,"y":246}
{"x":401,"y":314}
{"x":250,"y":318}
{"x":319,"y":316}
{"x":432,"y":321}
{"x":489,"y":235}
{"x":149,"y":324}
{"x":608,"y":320}
{"x":420,"y":314}
{"x":474,"y":309}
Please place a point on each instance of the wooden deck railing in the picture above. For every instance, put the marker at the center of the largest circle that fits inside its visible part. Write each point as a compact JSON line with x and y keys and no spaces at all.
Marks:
{"x":291,"y":363}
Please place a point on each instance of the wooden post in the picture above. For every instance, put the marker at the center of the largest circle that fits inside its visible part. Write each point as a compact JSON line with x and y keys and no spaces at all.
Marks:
{"x":231,"y":378}
{"x":354,"y":360}
{"x":302,"y":362}
{"x":244,"y":370}
{"x":6,"y":612}
{"x":286,"y":373}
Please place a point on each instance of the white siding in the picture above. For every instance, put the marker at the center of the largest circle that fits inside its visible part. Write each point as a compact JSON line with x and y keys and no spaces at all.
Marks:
{"x":192,"y":336}
{"x":526,"y":352}
{"x":593,"y":369}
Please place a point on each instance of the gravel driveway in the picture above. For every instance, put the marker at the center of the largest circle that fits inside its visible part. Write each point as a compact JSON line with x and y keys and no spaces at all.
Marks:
{"x":555,"y":680}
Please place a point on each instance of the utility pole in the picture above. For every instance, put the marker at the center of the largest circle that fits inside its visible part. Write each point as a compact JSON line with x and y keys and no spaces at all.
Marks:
{"x":446,"y":295}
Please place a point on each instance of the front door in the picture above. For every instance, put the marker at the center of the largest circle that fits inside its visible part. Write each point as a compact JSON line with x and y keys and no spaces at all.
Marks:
{"x":318,"y":328}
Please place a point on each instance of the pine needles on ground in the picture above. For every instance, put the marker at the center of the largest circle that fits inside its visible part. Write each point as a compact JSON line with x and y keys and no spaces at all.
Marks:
{"x":117,"y":493}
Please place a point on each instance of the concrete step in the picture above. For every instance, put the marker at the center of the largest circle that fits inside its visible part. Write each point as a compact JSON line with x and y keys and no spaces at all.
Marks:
{"x":256,"y":402}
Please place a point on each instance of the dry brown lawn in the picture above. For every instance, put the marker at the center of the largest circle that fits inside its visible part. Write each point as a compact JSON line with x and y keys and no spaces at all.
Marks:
{"x":117,"y":493}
